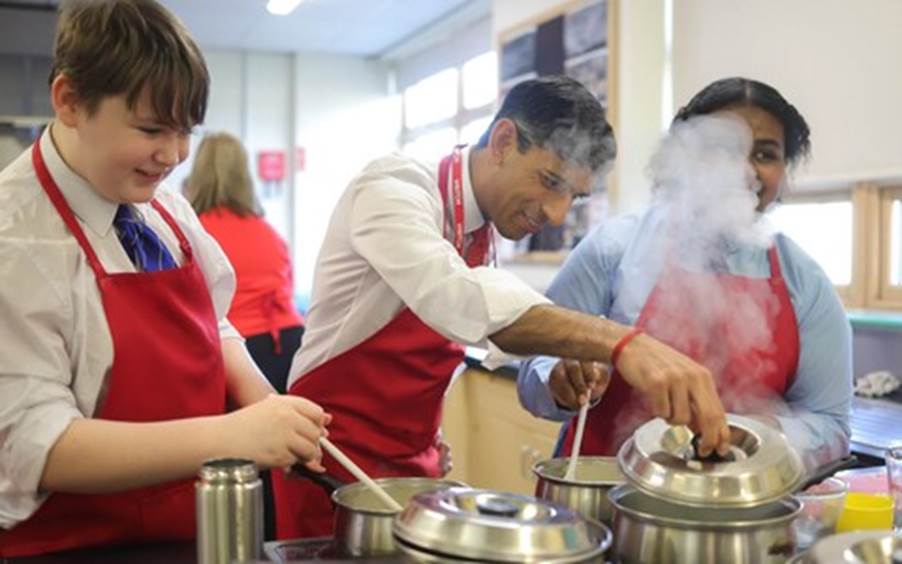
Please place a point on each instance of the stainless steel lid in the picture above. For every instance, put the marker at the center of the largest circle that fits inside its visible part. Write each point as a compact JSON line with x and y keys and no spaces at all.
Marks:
{"x":761,"y":466}
{"x":590,"y":471}
{"x":358,"y":497}
{"x":859,"y":547}
{"x":501,"y":527}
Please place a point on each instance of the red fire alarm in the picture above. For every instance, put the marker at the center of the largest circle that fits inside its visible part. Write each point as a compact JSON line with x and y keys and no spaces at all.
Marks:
{"x":271,"y":165}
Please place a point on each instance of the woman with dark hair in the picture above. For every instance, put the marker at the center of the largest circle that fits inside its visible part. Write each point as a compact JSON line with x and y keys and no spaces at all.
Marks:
{"x":702,"y":271}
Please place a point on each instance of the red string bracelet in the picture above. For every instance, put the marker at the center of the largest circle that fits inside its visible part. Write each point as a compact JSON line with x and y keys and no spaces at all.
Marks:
{"x":624,"y":341}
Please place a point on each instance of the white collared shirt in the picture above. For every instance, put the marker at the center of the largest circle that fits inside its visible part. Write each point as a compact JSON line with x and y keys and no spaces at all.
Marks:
{"x":55,"y":344}
{"x":386,"y":249}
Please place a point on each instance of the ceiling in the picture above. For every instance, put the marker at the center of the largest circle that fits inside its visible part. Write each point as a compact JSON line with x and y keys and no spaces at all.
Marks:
{"x":352,"y":27}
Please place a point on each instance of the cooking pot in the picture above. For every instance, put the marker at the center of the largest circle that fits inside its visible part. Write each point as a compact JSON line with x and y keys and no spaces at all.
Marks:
{"x":679,"y":508}
{"x":649,"y":529}
{"x":363,"y":524}
{"x":587,"y":493}
{"x":467,"y":525}
{"x":859,"y":547}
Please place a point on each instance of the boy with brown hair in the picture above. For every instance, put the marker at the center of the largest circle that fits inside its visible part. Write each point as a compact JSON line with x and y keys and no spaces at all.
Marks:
{"x":116,"y":359}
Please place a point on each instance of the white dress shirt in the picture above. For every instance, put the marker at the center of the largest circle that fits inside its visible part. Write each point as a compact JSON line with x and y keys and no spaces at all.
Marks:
{"x":386,"y":249}
{"x":55,"y":341}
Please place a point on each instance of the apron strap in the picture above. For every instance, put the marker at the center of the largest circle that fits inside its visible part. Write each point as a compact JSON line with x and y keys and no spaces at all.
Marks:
{"x":56,"y":197}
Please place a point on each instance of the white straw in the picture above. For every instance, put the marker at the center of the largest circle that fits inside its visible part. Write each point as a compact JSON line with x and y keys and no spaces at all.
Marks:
{"x":360,"y":474}
{"x":577,"y":442}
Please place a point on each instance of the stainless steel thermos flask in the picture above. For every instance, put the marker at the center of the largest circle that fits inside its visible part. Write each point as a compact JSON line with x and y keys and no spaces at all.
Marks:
{"x":229,"y":509}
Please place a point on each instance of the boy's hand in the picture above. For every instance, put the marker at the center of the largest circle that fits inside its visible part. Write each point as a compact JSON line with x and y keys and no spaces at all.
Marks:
{"x":278,"y":431}
{"x":574,"y":382}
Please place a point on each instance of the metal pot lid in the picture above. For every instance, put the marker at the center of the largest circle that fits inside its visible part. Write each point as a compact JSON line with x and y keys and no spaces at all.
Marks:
{"x":486,"y":525}
{"x":761,"y":467}
{"x":859,"y":547}
{"x":601,"y":471}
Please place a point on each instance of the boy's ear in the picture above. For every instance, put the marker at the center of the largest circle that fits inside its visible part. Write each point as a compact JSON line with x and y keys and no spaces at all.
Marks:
{"x":64,"y":100}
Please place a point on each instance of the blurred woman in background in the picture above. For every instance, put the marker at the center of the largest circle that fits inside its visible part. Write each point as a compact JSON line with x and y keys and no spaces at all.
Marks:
{"x":221,"y":191}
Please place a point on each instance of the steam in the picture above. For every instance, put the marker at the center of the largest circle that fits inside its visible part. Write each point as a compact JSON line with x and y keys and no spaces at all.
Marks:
{"x":707,"y":188}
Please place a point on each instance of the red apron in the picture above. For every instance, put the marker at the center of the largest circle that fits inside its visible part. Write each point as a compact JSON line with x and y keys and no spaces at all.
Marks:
{"x":385,"y":396}
{"x":167,"y":364}
{"x":748,"y":375}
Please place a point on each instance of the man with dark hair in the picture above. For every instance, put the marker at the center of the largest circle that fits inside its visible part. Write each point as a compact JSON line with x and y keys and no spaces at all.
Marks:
{"x":401,"y":280}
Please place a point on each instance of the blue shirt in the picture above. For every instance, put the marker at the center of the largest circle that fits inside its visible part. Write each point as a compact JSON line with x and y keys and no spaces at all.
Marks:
{"x":611,"y":273}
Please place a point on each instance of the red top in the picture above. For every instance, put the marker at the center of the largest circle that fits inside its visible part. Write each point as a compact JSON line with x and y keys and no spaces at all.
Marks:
{"x":263,"y":298}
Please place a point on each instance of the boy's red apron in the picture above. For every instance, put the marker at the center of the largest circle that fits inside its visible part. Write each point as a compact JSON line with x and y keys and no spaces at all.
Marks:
{"x":167,"y":364}
{"x":385,"y":396}
{"x":747,"y":377}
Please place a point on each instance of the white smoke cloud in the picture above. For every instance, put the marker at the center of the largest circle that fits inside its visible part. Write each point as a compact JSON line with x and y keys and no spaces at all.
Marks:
{"x":705,"y":183}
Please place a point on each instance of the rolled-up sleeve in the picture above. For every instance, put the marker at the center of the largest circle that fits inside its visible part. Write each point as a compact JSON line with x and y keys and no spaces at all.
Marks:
{"x":397,"y":229}
{"x":36,"y":401}
{"x":820,"y":397}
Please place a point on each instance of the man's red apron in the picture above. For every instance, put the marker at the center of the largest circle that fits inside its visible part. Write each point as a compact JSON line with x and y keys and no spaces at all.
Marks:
{"x":167,"y":364}
{"x":385,"y":396}
{"x":748,"y":377}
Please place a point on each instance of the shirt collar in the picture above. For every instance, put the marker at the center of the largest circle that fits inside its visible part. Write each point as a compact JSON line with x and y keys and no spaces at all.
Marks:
{"x":93,"y":209}
{"x":473,"y":218}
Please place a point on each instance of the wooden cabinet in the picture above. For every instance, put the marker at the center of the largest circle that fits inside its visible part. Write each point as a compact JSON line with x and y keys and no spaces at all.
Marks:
{"x":494,"y":441}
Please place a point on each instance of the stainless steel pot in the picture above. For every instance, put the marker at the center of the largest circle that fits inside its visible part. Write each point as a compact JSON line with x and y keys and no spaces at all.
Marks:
{"x":649,"y":529}
{"x":363,"y":525}
{"x":469,"y":525}
{"x":587,"y":494}
{"x":858,"y":547}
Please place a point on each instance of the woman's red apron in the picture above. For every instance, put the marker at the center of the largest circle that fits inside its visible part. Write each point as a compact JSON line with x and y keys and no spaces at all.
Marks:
{"x":749,"y":341}
{"x":385,"y":395}
{"x":167,"y":364}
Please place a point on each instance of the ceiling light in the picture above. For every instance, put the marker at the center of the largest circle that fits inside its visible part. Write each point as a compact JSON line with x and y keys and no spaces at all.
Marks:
{"x":281,"y":7}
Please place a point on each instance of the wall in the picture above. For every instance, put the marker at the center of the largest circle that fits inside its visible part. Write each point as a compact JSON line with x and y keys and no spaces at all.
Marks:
{"x":336,"y":108}
{"x":344,"y":118}
{"x":250,"y":97}
{"x":837,"y":61}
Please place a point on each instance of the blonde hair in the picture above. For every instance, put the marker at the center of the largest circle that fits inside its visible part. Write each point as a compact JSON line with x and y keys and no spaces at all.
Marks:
{"x":220,"y":177}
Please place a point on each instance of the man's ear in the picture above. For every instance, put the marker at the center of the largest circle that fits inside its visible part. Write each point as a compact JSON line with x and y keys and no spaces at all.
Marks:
{"x":502,"y":140}
{"x":64,"y":100}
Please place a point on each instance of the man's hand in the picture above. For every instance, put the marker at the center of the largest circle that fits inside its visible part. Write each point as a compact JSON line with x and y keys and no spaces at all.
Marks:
{"x":445,"y":462}
{"x":676,"y":389}
{"x":573,"y":382}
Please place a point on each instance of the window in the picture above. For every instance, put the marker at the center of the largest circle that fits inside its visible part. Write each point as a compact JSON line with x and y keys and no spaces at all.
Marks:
{"x":432,"y":146}
{"x":452,"y":106}
{"x":895,"y":270}
{"x":432,"y":99}
{"x":471,"y":132}
{"x":824,"y":230}
{"x":480,"y":81}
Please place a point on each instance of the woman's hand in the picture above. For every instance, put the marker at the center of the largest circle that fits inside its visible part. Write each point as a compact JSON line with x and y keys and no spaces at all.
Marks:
{"x":278,"y":431}
{"x":574,"y":382}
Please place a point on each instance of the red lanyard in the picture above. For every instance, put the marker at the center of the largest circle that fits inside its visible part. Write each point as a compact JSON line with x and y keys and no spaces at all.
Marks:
{"x":457,"y":198}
